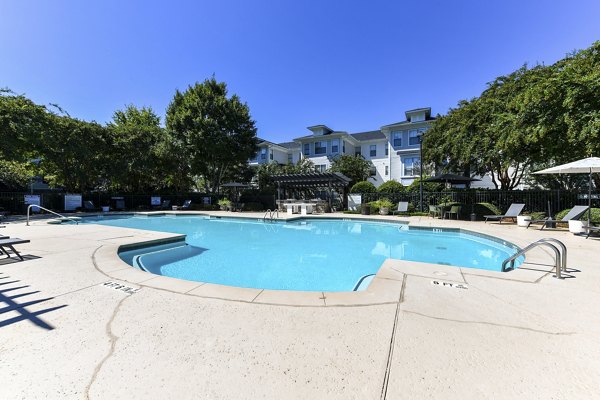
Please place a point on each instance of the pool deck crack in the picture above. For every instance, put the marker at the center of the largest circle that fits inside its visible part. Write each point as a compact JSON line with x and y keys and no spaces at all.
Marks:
{"x":388,"y":366}
{"x":113,"y":343}
{"x":491,"y":324}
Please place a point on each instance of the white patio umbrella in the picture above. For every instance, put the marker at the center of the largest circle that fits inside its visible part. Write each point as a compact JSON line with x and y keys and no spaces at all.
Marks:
{"x":584,"y":166}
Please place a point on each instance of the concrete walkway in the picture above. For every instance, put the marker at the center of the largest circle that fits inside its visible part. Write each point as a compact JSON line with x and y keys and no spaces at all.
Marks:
{"x":67,"y":333}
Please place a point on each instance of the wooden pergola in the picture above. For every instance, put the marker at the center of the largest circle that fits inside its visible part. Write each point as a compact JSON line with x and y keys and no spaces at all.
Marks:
{"x":313,"y":180}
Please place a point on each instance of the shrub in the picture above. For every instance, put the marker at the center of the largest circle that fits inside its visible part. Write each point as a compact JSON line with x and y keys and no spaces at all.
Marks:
{"x":363,"y":187}
{"x":224,"y":203}
{"x":203,"y":207}
{"x":595,"y":215}
{"x":379,"y":204}
{"x":391,"y":187}
{"x":482,"y":209}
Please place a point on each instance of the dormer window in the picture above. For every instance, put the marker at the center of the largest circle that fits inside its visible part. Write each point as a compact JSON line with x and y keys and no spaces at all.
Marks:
{"x":320,"y":147}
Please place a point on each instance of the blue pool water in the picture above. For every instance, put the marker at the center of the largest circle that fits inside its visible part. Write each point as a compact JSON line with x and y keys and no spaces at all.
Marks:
{"x":310,"y":255}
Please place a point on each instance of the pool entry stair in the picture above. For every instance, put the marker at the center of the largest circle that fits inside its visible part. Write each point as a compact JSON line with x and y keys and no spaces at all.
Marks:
{"x":560,"y":256}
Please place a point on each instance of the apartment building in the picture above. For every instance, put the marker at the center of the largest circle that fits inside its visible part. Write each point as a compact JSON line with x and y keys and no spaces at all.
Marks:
{"x":393,"y":149}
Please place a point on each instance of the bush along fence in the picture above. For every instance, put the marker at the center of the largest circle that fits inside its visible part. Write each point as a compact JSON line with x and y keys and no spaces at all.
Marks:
{"x":536,"y":201}
{"x":14,"y":202}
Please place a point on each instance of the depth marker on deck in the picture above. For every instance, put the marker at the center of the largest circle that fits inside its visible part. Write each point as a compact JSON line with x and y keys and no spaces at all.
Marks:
{"x":123,"y":288}
{"x":449,"y":284}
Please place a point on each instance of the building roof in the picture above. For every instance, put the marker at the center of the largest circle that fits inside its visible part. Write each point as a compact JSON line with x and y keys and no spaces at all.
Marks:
{"x":289,"y":145}
{"x":371,"y":135}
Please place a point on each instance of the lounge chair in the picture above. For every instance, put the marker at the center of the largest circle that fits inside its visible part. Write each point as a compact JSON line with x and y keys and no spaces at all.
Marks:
{"x":186,"y":205}
{"x":166,"y":204}
{"x":591,"y":229}
{"x":513,"y":212}
{"x":402,"y":207}
{"x":89,"y":206}
{"x":9,"y":244}
{"x":575,"y":213}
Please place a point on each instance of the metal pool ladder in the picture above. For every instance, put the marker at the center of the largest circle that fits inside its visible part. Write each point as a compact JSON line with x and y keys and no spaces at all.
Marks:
{"x":64,"y":218}
{"x":560,"y":256}
{"x":271,"y":215}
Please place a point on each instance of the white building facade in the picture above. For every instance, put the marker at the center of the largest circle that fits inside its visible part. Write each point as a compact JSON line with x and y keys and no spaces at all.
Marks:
{"x":393,"y":149}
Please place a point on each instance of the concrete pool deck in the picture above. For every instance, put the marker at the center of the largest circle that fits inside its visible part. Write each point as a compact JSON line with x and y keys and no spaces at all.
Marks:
{"x":66,"y":333}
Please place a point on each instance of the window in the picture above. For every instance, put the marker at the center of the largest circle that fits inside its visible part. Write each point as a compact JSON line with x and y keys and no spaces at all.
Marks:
{"x":357,"y":151}
{"x":387,"y":170}
{"x":387,"y":149}
{"x":320,"y":168}
{"x":344,"y":147}
{"x":413,"y":137}
{"x":411,"y":166}
{"x":320,"y":147}
{"x":263,"y":153}
{"x":335,"y":146}
{"x":271,"y":155}
{"x":306,"y":149}
{"x":397,"y":139}
{"x":290,"y":159}
{"x":373,"y":150}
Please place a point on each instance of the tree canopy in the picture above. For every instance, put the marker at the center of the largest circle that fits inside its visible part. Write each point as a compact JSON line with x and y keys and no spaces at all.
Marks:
{"x":213,"y":131}
{"x":527,"y":119}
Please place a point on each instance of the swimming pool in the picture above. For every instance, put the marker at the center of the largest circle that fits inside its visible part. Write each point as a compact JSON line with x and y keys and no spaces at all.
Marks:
{"x":305,"y":255}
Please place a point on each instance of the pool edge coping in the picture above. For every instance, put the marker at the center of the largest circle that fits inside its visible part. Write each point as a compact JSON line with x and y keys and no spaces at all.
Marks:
{"x":386,"y":287}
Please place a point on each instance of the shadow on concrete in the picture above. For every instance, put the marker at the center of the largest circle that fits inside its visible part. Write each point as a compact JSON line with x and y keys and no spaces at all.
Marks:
{"x":8,"y":299}
{"x":14,"y":259}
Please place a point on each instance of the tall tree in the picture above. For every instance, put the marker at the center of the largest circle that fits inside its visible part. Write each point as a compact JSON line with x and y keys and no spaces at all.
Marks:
{"x":138,"y":150}
{"x":215,"y":131}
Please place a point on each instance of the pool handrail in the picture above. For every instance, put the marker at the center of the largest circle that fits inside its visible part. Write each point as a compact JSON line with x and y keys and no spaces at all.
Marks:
{"x":558,"y":260}
{"x":51,"y":212}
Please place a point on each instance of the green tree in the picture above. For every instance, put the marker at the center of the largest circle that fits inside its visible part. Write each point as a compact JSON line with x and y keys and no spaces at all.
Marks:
{"x":73,"y":153}
{"x":354,"y":167}
{"x":214,"y":132}
{"x":21,"y":121}
{"x":137,"y":149}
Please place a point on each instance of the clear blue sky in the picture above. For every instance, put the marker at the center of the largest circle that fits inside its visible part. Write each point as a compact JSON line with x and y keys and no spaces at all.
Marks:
{"x":353,"y":66}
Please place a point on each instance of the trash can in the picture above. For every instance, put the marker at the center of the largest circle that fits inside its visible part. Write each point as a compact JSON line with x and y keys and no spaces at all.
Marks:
{"x":473,"y":217}
{"x":365,"y":209}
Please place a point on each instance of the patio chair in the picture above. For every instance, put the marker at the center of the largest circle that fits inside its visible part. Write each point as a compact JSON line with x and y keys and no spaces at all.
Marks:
{"x":9,"y":244}
{"x":402,"y":207}
{"x":513,"y":212}
{"x":575,"y":213}
{"x":454,"y":210}
{"x":434,"y":210}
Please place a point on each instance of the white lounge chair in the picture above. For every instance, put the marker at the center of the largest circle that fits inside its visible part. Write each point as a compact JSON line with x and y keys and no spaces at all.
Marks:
{"x":402,"y":207}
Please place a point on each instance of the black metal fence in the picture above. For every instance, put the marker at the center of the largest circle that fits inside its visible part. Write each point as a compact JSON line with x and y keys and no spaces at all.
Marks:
{"x":14,"y":202}
{"x":534,"y":200}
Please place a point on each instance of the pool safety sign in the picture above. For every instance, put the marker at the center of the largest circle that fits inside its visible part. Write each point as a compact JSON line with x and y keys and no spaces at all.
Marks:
{"x":122,"y":288}
{"x":32,"y":199}
{"x":449,"y":284}
{"x":72,"y":202}
{"x":155,"y":200}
